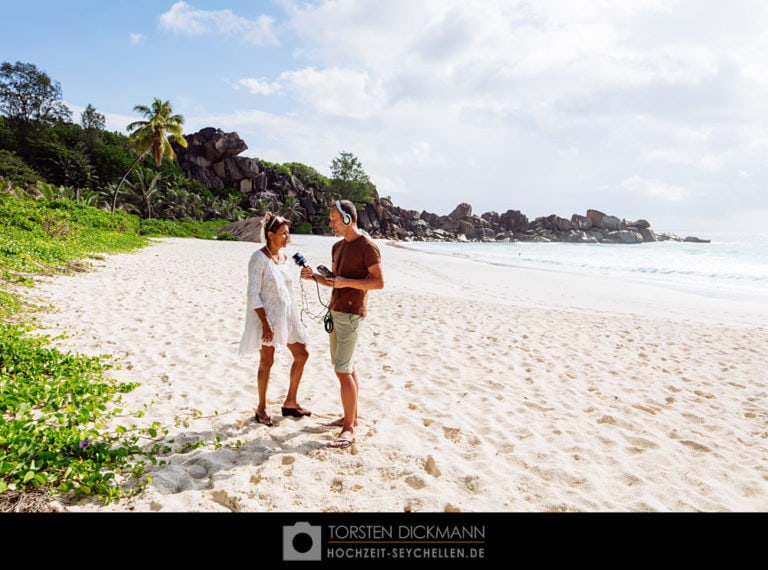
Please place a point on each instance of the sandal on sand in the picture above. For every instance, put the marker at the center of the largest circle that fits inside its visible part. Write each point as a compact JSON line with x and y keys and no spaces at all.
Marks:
{"x":342,"y":442}
{"x":266,"y":420}
{"x":295,"y":412}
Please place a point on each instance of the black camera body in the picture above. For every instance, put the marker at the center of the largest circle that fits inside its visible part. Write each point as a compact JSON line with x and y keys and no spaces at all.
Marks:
{"x":325,"y":272}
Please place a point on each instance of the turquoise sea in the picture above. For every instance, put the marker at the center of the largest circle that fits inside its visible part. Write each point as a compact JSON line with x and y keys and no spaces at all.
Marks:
{"x":731,"y":266}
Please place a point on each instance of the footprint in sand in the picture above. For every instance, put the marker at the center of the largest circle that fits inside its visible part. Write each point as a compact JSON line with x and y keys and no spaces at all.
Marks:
{"x":694,"y":445}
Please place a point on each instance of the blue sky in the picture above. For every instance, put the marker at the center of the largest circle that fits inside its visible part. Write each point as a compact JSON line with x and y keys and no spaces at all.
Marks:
{"x":653,"y":109}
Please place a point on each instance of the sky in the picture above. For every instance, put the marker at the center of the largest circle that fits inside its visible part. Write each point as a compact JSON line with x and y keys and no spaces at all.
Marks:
{"x":654,"y":110}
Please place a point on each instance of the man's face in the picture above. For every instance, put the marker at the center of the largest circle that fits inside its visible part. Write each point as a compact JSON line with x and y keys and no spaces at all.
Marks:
{"x":336,"y":224}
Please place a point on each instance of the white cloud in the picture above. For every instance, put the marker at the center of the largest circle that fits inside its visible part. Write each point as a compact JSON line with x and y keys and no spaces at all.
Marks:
{"x":708,"y":162}
{"x":655,"y":189}
{"x":336,"y":92}
{"x":184,"y":19}
{"x":137,"y":39}
{"x":258,"y":86}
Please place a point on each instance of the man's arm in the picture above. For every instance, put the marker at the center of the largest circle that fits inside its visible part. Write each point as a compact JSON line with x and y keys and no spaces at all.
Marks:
{"x":308,"y":273}
{"x":374,"y":280}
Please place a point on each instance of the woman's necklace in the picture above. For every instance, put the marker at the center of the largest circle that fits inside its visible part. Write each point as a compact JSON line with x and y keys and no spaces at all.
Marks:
{"x":271,"y":255}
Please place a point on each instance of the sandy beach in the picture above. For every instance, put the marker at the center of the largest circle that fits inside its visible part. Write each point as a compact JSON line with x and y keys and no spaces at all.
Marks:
{"x":483,"y":388}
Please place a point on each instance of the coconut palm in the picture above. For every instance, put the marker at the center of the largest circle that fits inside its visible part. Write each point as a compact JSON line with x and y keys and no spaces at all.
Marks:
{"x":291,"y":209}
{"x":260,"y":206}
{"x":142,"y":192}
{"x":154,"y":136}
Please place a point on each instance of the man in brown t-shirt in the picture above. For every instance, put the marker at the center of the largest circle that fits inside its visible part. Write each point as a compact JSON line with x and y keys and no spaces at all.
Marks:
{"x":356,"y":263}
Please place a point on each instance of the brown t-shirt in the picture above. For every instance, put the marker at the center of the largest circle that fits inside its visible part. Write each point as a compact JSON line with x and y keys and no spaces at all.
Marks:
{"x":352,"y":259}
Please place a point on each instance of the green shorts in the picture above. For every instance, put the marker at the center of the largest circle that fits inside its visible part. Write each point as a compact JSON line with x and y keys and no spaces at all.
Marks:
{"x":343,"y":340}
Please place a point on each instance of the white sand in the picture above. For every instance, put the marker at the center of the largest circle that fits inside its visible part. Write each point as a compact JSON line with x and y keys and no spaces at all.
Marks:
{"x":483,"y":388}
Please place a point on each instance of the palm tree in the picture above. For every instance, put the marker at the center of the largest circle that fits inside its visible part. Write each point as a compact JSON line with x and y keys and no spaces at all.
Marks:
{"x":291,"y":209}
{"x":260,"y":207}
{"x":154,"y":136}
{"x":143,"y":191}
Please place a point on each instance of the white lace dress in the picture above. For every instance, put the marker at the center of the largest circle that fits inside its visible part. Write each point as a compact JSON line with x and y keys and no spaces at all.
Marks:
{"x":270,"y":285}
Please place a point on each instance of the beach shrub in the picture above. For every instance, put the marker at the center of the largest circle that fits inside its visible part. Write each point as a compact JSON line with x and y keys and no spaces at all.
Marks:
{"x":153,"y":227}
{"x":47,"y":236}
{"x":306,"y":174}
{"x":226,"y":236}
{"x":16,"y":171}
{"x":303,"y":228}
{"x":8,"y":305}
{"x":53,"y":420}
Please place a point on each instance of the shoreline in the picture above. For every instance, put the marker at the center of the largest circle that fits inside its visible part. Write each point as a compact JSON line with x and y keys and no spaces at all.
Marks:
{"x":570,"y":289}
{"x":482,"y":389}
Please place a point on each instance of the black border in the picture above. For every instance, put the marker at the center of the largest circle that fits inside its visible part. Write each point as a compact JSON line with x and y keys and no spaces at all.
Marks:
{"x":516,"y":538}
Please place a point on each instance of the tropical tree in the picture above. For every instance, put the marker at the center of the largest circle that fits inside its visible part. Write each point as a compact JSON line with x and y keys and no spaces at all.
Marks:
{"x":260,"y":206}
{"x":154,"y":136}
{"x":98,"y":198}
{"x":92,"y":119}
{"x":227,"y":208}
{"x":291,"y":209}
{"x":14,"y":169}
{"x":306,"y":174}
{"x":28,"y":95}
{"x":73,"y":167}
{"x":142,"y":192}
{"x":178,"y":203}
{"x":50,"y":192}
{"x":350,"y":181}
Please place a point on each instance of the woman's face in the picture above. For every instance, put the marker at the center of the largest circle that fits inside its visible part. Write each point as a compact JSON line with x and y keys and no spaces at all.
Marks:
{"x":281,"y":237}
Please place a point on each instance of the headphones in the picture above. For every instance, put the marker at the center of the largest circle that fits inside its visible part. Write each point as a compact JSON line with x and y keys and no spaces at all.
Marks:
{"x":346,"y":219}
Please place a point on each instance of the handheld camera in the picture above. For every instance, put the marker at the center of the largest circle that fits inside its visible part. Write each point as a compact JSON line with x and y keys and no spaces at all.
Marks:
{"x":321,"y":269}
{"x":325,"y":272}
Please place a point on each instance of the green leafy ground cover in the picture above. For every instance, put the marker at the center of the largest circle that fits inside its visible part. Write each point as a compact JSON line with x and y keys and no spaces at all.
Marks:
{"x":63,"y":431}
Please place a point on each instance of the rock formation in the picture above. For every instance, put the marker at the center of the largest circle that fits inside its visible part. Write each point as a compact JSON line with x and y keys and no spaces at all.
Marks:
{"x":212,"y":158}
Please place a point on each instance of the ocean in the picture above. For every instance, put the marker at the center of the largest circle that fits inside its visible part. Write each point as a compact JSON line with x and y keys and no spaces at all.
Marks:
{"x":732,"y":266}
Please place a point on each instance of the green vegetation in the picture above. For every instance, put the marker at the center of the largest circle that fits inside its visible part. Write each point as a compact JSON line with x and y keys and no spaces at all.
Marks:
{"x":63,"y":431}
{"x":29,"y":96}
{"x":17,"y":170}
{"x":53,"y":431}
{"x":44,"y":153}
{"x":350,"y":181}
{"x":306,"y":174}
{"x":154,"y":136}
{"x":48,"y":236}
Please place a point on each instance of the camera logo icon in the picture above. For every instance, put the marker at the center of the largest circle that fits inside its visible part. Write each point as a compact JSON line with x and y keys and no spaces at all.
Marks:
{"x":301,"y":541}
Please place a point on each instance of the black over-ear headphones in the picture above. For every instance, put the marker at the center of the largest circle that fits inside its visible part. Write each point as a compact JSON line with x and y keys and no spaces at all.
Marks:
{"x":346,"y":219}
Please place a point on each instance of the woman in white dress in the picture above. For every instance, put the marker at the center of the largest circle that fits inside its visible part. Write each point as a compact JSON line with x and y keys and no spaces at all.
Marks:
{"x":273,"y":317}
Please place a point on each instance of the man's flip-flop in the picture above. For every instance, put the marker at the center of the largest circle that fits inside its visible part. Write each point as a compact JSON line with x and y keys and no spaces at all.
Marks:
{"x":341,"y":442}
{"x":295,"y":412}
